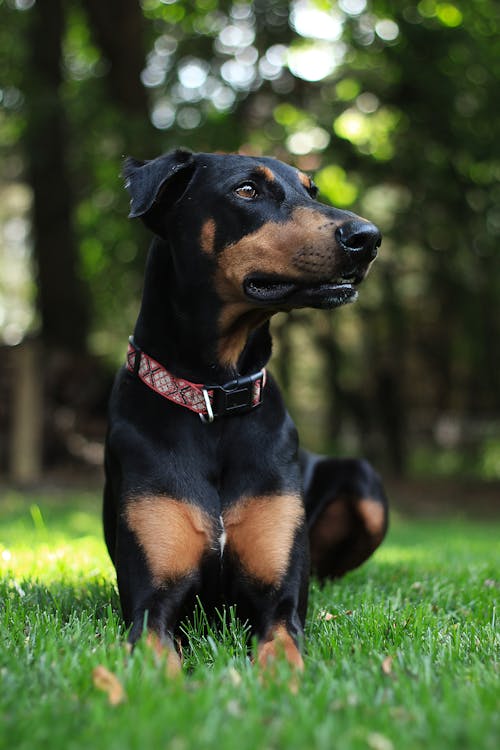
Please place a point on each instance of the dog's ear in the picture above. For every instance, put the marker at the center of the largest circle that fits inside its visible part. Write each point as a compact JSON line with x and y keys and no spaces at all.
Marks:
{"x":156,"y":185}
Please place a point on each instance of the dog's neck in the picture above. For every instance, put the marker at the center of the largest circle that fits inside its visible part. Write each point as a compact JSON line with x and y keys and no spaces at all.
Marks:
{"x":179,"y":326}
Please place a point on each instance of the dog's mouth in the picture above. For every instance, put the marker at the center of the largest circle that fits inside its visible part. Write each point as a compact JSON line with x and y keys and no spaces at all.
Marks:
{"x":290,"y":293}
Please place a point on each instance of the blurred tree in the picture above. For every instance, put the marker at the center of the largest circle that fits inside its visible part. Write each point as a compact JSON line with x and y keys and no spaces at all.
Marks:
{"x":392,"y":104}
{"x":117,"y":26}
{"x":56,"y":252}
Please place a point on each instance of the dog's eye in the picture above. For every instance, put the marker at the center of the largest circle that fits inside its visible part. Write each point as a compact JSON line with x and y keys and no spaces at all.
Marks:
{"x":246,"y":190}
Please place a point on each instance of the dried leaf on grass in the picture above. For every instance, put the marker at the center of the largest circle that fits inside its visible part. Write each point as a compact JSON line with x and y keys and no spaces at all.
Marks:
{"x":378,"y":741}
{"x":490,"y":583}
{"x":109,"y":683}
{"x":324,"y":615}
{"x":387,"y":665}
{"x":234,"y":676}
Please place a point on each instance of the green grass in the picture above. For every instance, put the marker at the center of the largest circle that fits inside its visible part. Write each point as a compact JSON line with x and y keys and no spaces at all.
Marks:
{"x":427,"y":600}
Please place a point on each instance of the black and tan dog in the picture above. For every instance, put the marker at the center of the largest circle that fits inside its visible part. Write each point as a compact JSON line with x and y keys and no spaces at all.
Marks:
{"x":206,"y":492}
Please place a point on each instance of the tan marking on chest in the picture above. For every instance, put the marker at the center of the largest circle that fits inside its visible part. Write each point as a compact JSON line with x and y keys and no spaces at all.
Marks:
{"x":374,"y":517}
{"x":172,"y":534}
{"x":207,"y":236}
{"x":260,"y":533}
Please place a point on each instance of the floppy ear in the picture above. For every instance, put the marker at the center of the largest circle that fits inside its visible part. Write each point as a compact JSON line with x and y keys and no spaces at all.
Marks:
{"x":156,"y":185}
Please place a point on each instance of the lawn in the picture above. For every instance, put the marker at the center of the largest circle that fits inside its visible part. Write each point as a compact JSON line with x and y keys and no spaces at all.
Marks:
{"x":401,"y":654}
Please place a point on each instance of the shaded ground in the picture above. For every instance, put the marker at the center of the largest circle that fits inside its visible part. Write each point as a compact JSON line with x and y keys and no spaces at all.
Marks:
{"x":430,"y":497}
{"x":438,"y":497}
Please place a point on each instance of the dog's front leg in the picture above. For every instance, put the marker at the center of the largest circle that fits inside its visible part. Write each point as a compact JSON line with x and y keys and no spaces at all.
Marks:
{"x":161,"y":544}
{"x":266,"y":569}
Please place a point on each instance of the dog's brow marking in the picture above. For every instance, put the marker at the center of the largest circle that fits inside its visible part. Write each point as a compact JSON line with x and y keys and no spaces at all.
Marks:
{"x":268,"y":173}
{"x":260,"y":532}
{"x":373,"y":516}
{"x":279,"y":643}
{"x":305,"y":180}
{"x":172,"y":534}
{"x":207,"y":236}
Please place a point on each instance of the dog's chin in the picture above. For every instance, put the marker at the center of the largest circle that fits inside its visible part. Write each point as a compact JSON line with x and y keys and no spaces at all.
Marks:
{"x":288,"y":294}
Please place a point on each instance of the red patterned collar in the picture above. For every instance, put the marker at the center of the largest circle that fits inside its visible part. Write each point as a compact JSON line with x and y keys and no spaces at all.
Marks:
{"x":209,"y":401}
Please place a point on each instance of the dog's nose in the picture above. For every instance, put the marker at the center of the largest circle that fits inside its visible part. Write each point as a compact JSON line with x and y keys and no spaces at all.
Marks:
{"x":361,"y":239}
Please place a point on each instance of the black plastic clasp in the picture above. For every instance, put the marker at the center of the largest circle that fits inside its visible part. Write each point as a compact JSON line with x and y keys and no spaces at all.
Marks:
{"x":237,"y":396}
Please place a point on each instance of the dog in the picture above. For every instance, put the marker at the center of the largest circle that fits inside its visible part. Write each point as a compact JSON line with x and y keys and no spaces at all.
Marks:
{"x":207,"y":494}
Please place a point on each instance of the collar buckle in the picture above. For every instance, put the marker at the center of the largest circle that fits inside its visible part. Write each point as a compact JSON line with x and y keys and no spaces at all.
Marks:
{"x":238,"y":396}
{"x":210,"y":416}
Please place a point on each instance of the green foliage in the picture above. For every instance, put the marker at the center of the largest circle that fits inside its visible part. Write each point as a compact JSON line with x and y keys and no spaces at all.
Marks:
{"x":334,"y":185}
{"x":393,"y":104}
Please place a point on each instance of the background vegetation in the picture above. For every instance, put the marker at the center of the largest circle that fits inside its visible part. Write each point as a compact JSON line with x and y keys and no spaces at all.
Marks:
{"x":393,"y":105}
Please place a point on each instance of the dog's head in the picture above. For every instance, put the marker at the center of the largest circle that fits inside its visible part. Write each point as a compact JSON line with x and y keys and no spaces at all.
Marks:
{"x":270,"y":244}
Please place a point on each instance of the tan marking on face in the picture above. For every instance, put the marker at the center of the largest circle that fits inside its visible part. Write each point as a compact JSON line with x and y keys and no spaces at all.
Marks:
{"x":268,"y":173}
{"x":279,"y":644}
{"x":305,"y":180}
{"x":301,"y":248}
{"x":236,"y":322}
{"x":172,"y":534}
{"x":374,"y":517}
{"x":260,"y":532}
{"x":207,"y":236}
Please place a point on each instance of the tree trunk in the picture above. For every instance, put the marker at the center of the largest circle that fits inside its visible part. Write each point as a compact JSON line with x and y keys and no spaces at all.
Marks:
{"x":61,"y":295}
{"x":333,"y":396}
{"x":117,"y":26}
{"x":389,"y":369}
{"x":25,"y":454}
